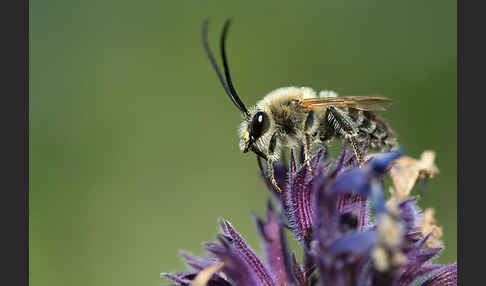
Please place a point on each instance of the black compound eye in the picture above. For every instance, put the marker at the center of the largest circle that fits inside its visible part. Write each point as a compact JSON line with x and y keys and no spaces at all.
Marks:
{"x":259,"y":125}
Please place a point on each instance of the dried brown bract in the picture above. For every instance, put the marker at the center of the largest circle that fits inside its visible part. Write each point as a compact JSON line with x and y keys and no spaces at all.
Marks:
{"x":406,"y":171}
{"x":429,"y":225}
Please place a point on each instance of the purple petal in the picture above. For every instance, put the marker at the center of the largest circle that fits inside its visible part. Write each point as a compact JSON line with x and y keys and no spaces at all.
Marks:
{"x":381,"y":163}
{"x":275,"y":247}
{"x":427,"y":254}
{"x":317,"y":157}
{"x":356,"y":180}
{"x":361,"y":181}
{"x":341,"y":160}
{"x":415,"y":249}
{"x":235,"y":266}
{"x":409,"y":213}
{"x":377,"y":196}
{"x":175,"y":277}
{"x":417,"y":265}
{"x":244,"y":251}
{"x":447,"y":276}
{"x":214,"y":247}
{"x":355,"y":243}
{"x":196,"y":263}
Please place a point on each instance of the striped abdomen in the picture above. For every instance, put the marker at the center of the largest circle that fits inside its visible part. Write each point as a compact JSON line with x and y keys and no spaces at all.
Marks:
{"x":374,"y":129}
{"x":365,"y":126}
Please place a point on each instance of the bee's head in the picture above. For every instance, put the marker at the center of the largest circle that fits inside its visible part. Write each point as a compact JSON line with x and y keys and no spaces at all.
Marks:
{"x":252,"y":129}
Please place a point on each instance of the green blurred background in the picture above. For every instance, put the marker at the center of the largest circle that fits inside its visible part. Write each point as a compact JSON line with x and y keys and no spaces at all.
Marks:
{"x":133,"y":142}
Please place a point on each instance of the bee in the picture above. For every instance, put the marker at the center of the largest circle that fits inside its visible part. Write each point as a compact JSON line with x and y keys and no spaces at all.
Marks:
{"x":290,"y":117}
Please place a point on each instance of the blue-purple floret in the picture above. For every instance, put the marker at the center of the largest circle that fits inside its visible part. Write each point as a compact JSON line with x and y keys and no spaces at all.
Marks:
{"x":328,"y":211}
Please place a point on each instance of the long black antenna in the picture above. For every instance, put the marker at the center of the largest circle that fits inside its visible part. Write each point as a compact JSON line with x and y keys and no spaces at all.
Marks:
{"x":228,"y":85}
{"x":226,"y":26}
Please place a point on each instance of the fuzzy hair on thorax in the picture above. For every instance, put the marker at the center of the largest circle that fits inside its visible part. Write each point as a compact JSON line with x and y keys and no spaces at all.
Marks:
{"x":282,"y":118}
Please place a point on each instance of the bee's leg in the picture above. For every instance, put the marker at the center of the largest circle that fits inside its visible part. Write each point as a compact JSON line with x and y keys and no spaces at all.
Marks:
{"x":345,"y":125}
{"x":308,"y":152}
{"x":309,"y":122}
{"x":271,"y":173}
{"x":271,"y":150}
{"x":356,"y":149}
{"x":264,"y":176}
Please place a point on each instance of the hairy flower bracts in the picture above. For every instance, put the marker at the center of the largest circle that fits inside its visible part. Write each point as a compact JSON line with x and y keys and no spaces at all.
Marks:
{"x":349,"y":233}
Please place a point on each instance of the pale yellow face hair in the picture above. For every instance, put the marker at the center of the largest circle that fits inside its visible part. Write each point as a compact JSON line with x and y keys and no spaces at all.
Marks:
{"x":245,"y":136}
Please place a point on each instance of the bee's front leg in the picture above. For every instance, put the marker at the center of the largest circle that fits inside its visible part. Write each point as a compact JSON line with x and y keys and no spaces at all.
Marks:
{"x":271,"y":150}
{"x":308,"y":152}
{"x":271,"y":174}
{"x":308,"y":129}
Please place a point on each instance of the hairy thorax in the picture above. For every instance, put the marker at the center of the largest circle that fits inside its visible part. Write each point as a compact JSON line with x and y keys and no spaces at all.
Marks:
{"x":286,"y":115}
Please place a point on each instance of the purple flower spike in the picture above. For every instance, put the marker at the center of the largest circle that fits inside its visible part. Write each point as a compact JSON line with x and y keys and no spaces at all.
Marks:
{"x":327,"y":211}
{"x":275,"y":247}
{"x":447,"y":276}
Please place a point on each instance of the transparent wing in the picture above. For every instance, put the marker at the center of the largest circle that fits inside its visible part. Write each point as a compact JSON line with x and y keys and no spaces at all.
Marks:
{"x":368,"y":103}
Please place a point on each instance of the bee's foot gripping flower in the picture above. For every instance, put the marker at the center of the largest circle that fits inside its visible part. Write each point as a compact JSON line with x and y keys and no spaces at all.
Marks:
{"x":349,"y":234}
